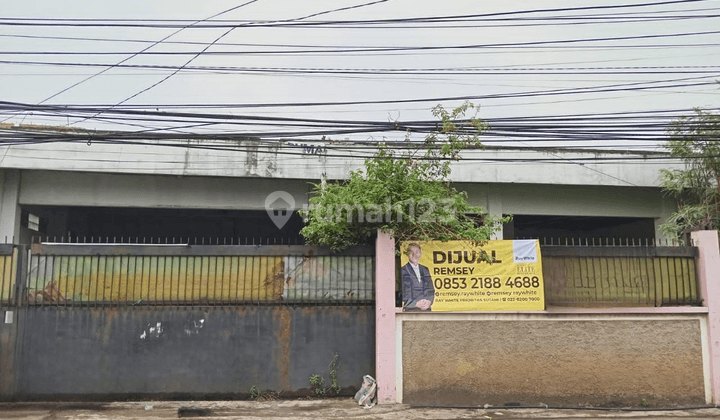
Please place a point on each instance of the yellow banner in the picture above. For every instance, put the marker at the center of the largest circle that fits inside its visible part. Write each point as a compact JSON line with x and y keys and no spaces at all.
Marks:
{"x":457,"y":276}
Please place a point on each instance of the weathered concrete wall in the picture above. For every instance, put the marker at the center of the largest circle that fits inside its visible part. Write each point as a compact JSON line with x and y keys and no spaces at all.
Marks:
{"x":569,"y":200}
{"x":246,"y":158}
{"x":79,"y":189}
{"x":539,"y":360}
{"x":91,"y":353}
{"x":9,"y":208}
{"x":121,"y":190}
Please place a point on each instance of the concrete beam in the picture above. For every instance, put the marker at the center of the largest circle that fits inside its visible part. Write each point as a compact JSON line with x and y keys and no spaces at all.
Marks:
{"x":246,"y":158}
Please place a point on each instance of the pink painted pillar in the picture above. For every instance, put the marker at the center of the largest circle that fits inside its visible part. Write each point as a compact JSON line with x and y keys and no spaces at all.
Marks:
{"x":708,"y":267}
{"x":385,"y":318}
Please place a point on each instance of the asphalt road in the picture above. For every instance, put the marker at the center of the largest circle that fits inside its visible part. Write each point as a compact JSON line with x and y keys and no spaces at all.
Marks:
{"x":305,"y":409}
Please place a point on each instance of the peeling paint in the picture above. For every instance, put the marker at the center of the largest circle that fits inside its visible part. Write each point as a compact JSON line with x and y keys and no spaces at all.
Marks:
{"x":194,"y":327}
{"x":153,"y":331}
{"x":273,"y":347}
{"x":251,"y":159}
{"x":328,"y":278}
{"x":147,"y":279}
{"x":284,"y":333}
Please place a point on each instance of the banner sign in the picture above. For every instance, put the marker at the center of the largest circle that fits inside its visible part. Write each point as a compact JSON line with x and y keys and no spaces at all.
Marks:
{"x":503,"y":275}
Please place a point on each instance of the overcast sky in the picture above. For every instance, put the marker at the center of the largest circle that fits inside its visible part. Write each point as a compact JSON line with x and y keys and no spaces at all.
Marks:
{"x":667,"y":58}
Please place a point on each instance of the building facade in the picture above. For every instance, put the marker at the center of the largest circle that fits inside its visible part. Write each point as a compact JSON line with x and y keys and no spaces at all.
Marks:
{"x":219,"y":188}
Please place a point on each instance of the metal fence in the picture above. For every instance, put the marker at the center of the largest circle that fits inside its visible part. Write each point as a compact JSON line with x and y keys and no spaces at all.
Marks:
{"x":640,"y":275}
{"x":634,"y":273}
{"x":182,"y":274}
{"x":8,"y":273}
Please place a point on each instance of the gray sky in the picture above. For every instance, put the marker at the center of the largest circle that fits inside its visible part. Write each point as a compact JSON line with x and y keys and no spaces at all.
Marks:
{"x":252,"y":64}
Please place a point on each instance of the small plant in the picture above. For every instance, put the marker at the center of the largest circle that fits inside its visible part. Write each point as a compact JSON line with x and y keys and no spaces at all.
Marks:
{"x":644,"y":402}
{"x":334,"y":363}
{"x":267,"y":395}
{"x":316,"y":383}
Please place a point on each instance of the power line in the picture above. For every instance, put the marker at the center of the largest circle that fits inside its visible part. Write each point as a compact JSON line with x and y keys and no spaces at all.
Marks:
{"x":431,"y":48}
{"x":129,"y":23}
{"x":221,"y":37}
{"x":109,"y":67}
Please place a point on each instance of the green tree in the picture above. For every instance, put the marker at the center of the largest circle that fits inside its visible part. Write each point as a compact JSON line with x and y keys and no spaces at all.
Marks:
{"x":405,"y":192}
{"x":695,"y":140}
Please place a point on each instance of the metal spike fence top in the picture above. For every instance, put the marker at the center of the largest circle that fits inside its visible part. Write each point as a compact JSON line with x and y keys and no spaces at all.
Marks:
{"x":169,"y":240}
{"x":608,"y":242}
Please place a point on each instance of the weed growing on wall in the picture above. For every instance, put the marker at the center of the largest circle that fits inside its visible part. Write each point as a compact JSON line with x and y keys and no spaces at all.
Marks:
{"x":317,"y":382}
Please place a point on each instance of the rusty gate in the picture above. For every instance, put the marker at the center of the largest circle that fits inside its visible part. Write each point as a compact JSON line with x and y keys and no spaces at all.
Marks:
{"x":100,"y":321}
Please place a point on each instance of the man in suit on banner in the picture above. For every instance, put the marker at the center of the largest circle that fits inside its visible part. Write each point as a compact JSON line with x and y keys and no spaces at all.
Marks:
{"x":417,"y":288}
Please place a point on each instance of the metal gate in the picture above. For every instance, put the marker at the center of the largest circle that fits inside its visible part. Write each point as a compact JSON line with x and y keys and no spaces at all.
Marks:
{"x":100,"y":321}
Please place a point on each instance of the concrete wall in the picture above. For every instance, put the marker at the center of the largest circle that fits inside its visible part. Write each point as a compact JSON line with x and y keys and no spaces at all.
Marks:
{"x":611,"y":360}
{"x":50,"y":188}
{"x":107,"y":190}
{"x":569,"y":200}
{"x":105,"y":353}
{"x":9,"y":208}
{"x":113,"y":190}
{"x":286,"y":160}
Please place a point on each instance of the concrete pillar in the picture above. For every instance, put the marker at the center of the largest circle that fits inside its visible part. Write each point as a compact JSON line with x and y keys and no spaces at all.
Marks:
{"x":385,"y":318}
{"x":668,"y":207}
{"x":9,"y":207}
{"x":495,"y":206}
{"x":708,"y":269}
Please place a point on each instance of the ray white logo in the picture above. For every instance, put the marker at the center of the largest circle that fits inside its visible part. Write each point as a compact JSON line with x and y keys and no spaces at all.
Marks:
{"x":525,"y":251}
{"x":279,"y":206}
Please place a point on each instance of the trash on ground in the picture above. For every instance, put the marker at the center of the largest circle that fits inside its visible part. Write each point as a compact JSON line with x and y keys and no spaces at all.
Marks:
{"x":366,"y":396}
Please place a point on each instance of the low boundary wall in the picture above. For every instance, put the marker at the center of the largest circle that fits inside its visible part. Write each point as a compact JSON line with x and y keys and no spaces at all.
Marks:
{"x":567,"y":356}
{"x":555,"y":359}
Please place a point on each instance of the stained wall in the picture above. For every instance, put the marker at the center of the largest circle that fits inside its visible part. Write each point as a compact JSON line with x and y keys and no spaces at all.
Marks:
{"x":550,"y":359}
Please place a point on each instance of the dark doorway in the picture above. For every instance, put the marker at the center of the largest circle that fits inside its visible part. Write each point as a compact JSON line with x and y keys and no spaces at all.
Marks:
{"x":106,"y":224}
{"x":580,"y":227}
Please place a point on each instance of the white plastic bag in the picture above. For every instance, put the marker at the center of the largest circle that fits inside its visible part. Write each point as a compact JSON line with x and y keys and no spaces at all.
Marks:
{"x":367,"y":395}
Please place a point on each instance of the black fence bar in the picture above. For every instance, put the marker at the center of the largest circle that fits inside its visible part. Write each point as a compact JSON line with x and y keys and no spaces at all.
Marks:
{"x":629,"y":252}
{"x":590,"y":273}
{"x":104,"y":275}
{"x":639,"y":275}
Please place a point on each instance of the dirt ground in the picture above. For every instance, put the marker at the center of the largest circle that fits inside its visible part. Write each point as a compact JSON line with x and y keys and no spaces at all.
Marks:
{"x":304,"y":409}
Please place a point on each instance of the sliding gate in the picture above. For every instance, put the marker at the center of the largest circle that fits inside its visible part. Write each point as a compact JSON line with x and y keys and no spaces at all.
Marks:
{"x":100,"y":321}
